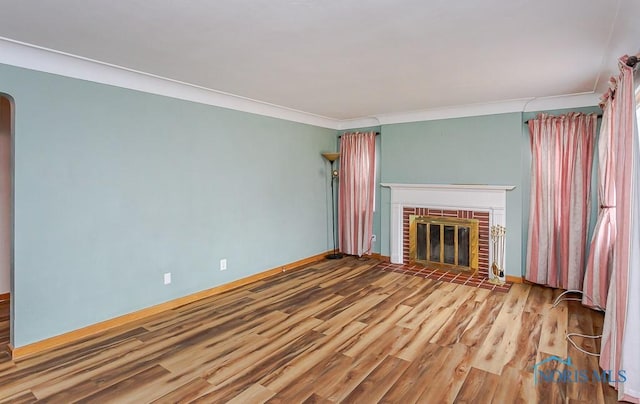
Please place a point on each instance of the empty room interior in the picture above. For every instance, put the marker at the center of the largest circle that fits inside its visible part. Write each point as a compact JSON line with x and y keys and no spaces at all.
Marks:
{"x":319,"y":201}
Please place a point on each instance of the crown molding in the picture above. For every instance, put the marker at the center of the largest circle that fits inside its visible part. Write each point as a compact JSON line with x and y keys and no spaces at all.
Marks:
{"x":357,"y":123}
{"x":461,"y":111}
{"x":590,"y":99}
{"x":34,"y":57}
{"x":458,"y":111}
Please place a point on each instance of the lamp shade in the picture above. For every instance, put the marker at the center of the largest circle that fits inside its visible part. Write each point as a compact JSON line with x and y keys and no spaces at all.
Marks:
{"x":331,"y":156}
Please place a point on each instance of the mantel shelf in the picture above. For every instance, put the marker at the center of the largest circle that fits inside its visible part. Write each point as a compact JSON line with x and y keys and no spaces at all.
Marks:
{"x":480,"y":187}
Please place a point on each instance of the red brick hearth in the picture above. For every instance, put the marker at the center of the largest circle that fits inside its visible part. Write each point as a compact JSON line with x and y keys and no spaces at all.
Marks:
{"x":483,"y":231}
{"x":460,"y":278}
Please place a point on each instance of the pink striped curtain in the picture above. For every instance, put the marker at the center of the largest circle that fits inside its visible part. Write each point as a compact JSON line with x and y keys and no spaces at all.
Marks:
{"x":562,"y":155}
{"x":598,"y":271}
{"x":356,"y":192}
{"x":620,"y":347}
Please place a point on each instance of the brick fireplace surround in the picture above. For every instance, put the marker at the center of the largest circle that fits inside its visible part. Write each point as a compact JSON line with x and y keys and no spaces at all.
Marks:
{"x":483,"y":230}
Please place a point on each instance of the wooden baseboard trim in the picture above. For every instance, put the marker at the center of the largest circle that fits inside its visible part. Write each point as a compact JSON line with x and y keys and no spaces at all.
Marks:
{"x":75,"y":335}
{"x":515,"y":279}
{"x":8,"y":349}
{"x":5,"y":296}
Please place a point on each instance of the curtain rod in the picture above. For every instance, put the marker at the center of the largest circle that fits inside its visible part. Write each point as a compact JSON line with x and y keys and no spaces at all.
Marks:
{"x":527,"y":121}
{"x":377,"y":133}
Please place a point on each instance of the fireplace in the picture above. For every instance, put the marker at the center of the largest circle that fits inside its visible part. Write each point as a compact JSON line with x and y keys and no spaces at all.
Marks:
{"x":444,"y":242}
{"x":486,"y":203}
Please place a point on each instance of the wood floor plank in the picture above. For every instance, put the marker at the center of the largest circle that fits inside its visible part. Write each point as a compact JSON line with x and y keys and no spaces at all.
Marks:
{"x":453,"y":330}
{"x":501,"y":346}
{"x":554,"y":324}
{"x":202,"y":359}
{"x":255,"y":393}
{"x":550,"y":391}
{"x":187,"y":392}
{"x":424,"y":309}
{"x":515,"y":386}
{"x":539,"y":300}
{"x":336,"y":390}
{"x":5,"y":359}
{"x":447,"y":379}
{"x":478,"y":387}
{"x":25,"y":397}
{"x":304,"y":361}
{"x":417,"y":377}
{"x":298,"y":390}
{"x":274,"y":365}
{"x":69,"y":388}
{"x":375,"y":330}
{"x":424,"y":333}
{"x":345,"y":316}
{"x":474,"y":335}
{"x":235,"y":365}
{"x":334,"y":331}
{"x":378,"y":382}
{"x":316,"y":399}
{"x":341,"y":382}
{"x":526,"y":342}
{"x":51,"y":370}
{"x":83,"y":379}
{"x":133,"y":387}
{"x":422,"y":291}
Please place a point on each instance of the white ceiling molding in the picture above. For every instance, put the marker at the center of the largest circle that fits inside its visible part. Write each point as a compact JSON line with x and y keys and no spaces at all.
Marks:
{"x":461,"y":111}
{"x":562,"y":102}
{"x":455,"y":112}
{"x":51,"y":61}
{"x":364,"y":122}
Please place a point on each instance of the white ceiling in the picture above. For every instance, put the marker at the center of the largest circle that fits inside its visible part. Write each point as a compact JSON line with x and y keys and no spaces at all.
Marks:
{"x":346,"y":59}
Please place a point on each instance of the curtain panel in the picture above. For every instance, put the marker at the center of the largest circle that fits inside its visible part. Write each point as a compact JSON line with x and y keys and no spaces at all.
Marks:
{"x":562,"y":157}
{"x":599,"y":262}
{"x":620,"y":346}
{"x":356,"y":192}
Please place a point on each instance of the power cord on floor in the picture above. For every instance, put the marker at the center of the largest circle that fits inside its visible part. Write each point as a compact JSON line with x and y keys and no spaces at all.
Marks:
{"x":574,"y":334}
{"x":574,"y":299}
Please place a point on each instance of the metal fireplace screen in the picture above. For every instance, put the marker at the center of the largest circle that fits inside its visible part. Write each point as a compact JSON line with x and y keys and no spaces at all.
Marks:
{"x":444,"y":242}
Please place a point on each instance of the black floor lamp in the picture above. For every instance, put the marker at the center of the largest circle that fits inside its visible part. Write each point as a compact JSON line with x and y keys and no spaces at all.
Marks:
{"x":332,"y":157}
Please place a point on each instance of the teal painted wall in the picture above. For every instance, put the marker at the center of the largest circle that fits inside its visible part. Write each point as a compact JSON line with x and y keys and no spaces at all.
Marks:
{"x":114,"y":187}
{"x":474,"y":150}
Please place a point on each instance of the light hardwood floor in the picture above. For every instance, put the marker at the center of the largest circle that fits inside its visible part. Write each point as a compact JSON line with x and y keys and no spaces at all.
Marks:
{"x":336,"y":331}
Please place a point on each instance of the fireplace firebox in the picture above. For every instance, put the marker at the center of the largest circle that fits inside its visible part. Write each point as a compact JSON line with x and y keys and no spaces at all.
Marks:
{"x":444,"y":242}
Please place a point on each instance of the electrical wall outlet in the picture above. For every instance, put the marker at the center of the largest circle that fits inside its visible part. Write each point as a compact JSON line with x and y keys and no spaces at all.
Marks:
{"x":373,"y":238}
{"x":167,"y":278}
{"x":223,"y":264}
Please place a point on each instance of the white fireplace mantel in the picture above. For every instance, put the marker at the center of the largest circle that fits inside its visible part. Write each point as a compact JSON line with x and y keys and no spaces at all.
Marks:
{"x":487,"y":198}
